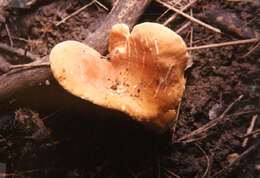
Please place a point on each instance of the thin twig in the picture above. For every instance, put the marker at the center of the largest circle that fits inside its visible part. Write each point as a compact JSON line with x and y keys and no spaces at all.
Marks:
{"x":191,"y":30}
{"x":211,"y":123}
{"x":177,"y":117}
{"x":251,"y":50}
{"x":18,"y":68}
{"x":19,"y":173}
{"x":75,"y":13}
{"x":208,"y":160}
{"x":245,"y":112}
{"x":240,"y":157}
{"x":249,"y":130}
{"x":9,"y":35}
{"x":183,"y":27}
{"x":172,"y":173}
{"x":175,"y":15}
{"x":30,"y":65}
{"x":189,"y":17}
{"x":101,"y":5}
{"x":225,"y":44}
{"x":257,"y":131}
{"x":204,"y":39}
{"x":165,"y":12}
{"x":19,"y":52}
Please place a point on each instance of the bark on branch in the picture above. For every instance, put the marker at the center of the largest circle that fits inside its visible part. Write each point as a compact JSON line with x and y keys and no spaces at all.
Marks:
{"x":127,"y":12}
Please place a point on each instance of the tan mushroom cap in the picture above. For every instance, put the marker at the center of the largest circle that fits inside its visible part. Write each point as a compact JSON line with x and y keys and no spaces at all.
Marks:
{"x":143,"y":75}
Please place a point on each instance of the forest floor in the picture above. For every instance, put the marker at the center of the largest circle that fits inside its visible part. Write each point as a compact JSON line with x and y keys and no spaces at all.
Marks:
{"x":45,"y":131}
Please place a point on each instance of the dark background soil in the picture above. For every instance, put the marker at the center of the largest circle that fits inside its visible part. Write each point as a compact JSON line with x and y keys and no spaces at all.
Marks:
{"x":77,"y":140}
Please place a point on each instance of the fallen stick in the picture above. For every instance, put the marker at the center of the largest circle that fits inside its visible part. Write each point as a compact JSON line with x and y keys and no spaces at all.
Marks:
{"x":21,"y":78}
{"x":127,"y":12}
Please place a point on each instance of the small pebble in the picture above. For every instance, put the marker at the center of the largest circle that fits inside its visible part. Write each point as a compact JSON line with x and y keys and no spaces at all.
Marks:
{"x":215,"y":111}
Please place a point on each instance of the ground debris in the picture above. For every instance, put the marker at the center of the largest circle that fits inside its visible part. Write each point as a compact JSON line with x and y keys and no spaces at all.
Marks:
{"x":29,"y":125}
{"x":230,"y":23}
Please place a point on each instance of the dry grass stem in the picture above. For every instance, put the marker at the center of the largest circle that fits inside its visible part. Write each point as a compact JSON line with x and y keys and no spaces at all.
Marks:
{"x":191,"y":30}
{"x":75,"y":13}
{"x":257,"y":131}
{"x":224,"y":44}
{"x":30,"y":65}
{"x":163,"y":14}
{"x":183,"y":27}
{"x":169,"y":20}
{"x":101,"y":5}
{"x":9,"y":35}
{"x":177,"y":118}
{"x":251,"y":50}
{"x":172,"y":173}
{"x":207,"y":158}
{"x":189,"y":17}
{"x":249,"y":130}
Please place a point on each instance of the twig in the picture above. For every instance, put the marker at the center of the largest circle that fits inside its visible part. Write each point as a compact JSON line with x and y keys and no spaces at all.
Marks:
{"x":189,"y":17}
{"x":257,"y":131}
{"x":183,"y":27}
{"x":29,"y":65}
{"x":177,"y":117}
{"x":211,"y":123}
{"x":240,"y":157}
{"x":172,"y":173}
{"x":101,"y":5}
{"x":19,"y":173}
{"x":194,"y":139}
{"x":175,"y":15}
{"x":191,"y":30}
{"x":75,"y":13}
{"x":19,"y":52}
{"x":225,"y":44}
{"x":207,"y":158}
{"x":246,"y":112}
{"x":251,"y":50}
{"x":204,"y":39}
{"x":9,"y":35}
{"x":249,"y":130}
{"x":165,"y":12}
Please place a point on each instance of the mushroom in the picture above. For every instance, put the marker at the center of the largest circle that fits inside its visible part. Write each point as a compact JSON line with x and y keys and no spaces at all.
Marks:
{"x":142,"y":76}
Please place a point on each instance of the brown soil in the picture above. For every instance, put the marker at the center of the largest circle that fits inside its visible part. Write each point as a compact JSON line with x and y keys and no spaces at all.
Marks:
{"x":77,"y":140}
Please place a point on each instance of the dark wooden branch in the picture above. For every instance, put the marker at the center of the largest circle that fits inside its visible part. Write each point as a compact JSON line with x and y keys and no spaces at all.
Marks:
{"x":22,"y":78}
{"x":126,"y":11}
